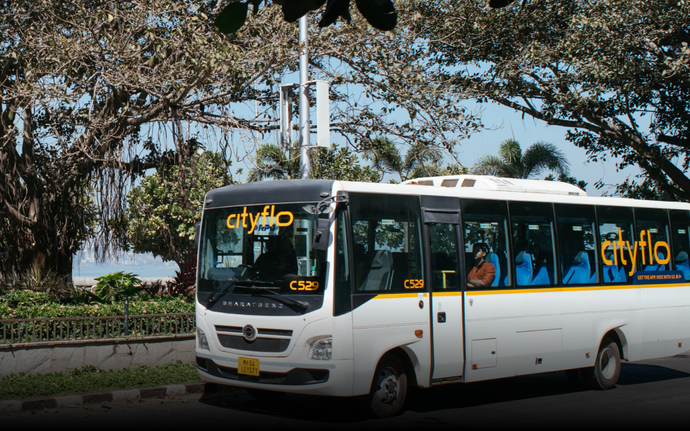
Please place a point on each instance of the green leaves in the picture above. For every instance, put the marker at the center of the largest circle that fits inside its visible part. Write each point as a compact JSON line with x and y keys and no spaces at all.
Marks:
{"x":232,"y":17}
{"x":116,"y":286}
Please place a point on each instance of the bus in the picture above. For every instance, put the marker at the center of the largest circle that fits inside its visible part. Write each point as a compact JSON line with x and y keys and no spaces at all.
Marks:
{"x":358,"y":289}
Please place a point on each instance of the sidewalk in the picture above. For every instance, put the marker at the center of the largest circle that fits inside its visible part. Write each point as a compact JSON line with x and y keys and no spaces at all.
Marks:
{"x":15,"y":406}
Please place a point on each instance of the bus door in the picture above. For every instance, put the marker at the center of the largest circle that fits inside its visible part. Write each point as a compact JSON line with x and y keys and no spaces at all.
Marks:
{"x":390,"y":302}
{"x":445,"y":278}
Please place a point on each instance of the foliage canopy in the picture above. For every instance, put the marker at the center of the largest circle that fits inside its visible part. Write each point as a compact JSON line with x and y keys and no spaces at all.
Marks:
{"x":615,"y":73}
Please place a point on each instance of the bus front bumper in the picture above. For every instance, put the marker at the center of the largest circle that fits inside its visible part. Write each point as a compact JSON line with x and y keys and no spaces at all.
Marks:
{"x":333,"y":378}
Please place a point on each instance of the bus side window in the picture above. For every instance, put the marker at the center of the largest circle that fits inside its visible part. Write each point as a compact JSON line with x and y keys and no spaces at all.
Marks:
{"x":680,"y":233}
{"x":616,"y":236}
{"x":577,"y":247}
{"x":533,"y":243}
{"x":652,"y":225}
{"x":387,"y":243}
{"x":486,"y":221}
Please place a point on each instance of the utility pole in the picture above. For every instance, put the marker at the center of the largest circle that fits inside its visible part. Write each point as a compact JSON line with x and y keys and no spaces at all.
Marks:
{"x":304,"y":126}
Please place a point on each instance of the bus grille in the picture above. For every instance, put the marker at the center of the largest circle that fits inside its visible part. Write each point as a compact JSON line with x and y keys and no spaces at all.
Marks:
{"x":267,"y":340}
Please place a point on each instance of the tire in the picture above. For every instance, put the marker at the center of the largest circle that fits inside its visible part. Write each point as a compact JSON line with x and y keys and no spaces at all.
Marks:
{"x":388,"y":388}
{"x":264,"y":395}
{"x":607,"y":368}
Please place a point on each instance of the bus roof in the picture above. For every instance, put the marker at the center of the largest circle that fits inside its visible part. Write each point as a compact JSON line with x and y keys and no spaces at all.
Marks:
{"x":487,"y":182}
{"x":459,"y":186}
{"x":495,"y":188}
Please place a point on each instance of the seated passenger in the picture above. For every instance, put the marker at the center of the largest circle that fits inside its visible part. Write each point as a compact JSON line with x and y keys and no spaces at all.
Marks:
{"x":482,"y":273}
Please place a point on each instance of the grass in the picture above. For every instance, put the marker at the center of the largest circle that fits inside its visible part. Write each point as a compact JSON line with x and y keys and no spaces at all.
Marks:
{"x":90,"y":379}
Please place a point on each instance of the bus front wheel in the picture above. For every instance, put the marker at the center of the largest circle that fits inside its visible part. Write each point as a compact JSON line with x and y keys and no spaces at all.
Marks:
{"x":607,"y":369}
{"x":389,"y":387}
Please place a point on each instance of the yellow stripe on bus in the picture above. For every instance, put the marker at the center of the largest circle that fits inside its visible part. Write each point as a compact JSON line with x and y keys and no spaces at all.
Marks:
{"x":573,"y":289}
{"x":400,"y":295}
{"x":534,"y":290}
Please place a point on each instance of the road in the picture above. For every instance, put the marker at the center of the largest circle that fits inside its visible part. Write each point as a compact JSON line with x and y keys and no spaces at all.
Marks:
{"x":649,"y":393}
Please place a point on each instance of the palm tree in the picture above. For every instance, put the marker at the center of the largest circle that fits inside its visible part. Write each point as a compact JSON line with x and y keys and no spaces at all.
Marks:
{"x":270,"y":161}
{"x":420,"y":160}
{"x":512,"y":163}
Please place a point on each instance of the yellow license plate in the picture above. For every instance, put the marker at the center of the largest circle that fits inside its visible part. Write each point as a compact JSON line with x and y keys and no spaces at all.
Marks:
{"x":248,"y":366}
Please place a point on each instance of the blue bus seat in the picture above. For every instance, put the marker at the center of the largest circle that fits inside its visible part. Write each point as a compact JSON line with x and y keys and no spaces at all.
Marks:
{"x":579,"y":272}
{"x":492,"y":258}
{"x":543,"y":276}
{"x":613,"y":273}
{"x":656,"y":266}
{"x":523,"y":269}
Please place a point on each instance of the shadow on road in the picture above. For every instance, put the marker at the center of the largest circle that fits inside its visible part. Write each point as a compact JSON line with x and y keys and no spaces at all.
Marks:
{"x":452,"y":396}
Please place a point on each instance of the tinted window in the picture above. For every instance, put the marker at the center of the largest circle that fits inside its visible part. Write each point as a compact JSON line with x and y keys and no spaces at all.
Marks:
{"x":486,"y":222}
{"x":443,"y":240}
{"x":387,"y":247}
{"x":615,"y":234}
{"x":680,"y":233}
{"x":533,"y":243}
{"x":577,"y":243}
{"x":652,"y":227}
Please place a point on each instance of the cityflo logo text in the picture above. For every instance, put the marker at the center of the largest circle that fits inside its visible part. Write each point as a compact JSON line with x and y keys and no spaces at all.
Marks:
{"x":267,"y":217}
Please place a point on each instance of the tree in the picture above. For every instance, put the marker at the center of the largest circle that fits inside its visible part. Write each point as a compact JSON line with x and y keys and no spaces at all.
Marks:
{"x":94,"y":94}
{"x":163,"y":209}
{"x":419,"y":160}
{"x":333,"y":163}
{"x":616,"y":74}
{"x":512,"y":163}
{"x":89,"y":94}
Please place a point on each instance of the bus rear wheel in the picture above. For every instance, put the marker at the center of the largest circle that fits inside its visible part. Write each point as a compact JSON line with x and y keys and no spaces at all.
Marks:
{"x":604,"y":375}
{"x":389,"y":388}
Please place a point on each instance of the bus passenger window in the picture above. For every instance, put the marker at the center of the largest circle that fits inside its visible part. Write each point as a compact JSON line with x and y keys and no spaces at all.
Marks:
{"x":616,"y":233}
{"x":486,"y":222}
{"x":577,"y":244}
{"x":533,"y":243}
{"x":387,"y":243}
{"x":444,"y":257}
{"x":652,"y":227}
{"x":680,"y":233}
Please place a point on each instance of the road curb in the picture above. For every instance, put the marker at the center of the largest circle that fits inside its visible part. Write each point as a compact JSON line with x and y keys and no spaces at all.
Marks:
{"x":16,"y":406}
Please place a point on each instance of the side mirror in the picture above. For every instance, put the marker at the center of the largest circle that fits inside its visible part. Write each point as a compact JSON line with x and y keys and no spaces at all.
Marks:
{"x":322,"y":234}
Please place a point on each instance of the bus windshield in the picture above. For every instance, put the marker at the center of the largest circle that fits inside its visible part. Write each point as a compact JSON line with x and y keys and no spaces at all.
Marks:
{"x":261,"y":252}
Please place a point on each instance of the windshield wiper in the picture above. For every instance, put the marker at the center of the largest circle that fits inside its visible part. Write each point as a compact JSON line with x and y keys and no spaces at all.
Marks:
{"x":267,"y":291}
{"x":217,"y":295}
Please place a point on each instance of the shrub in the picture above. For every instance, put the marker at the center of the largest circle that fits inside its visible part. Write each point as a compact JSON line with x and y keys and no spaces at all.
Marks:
{"x":37,"y":280}
{"x":117,"y":286}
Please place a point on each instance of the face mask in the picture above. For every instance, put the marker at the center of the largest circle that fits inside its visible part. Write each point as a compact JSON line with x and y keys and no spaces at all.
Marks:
{"x":478,"y":260}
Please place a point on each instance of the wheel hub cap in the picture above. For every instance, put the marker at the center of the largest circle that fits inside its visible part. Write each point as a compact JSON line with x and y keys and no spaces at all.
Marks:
{"x":388,"y":387}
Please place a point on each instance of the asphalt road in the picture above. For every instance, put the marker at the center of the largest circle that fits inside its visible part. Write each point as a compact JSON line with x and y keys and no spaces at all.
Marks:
{"x":652,"y":393}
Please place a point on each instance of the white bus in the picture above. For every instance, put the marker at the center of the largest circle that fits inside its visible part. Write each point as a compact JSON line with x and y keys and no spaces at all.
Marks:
{"x":348,"y":289}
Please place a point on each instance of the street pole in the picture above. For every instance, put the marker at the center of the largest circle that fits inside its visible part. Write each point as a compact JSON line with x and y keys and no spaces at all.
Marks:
{"x":305,"y":164}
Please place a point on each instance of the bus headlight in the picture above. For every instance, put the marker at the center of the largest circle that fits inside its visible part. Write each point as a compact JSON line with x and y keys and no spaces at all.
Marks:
{"x":321,"y":348}
{"x":201,"y":339}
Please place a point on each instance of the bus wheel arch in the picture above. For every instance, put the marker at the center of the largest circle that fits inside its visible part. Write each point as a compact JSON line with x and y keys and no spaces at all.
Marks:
{"x":617,"y":335}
